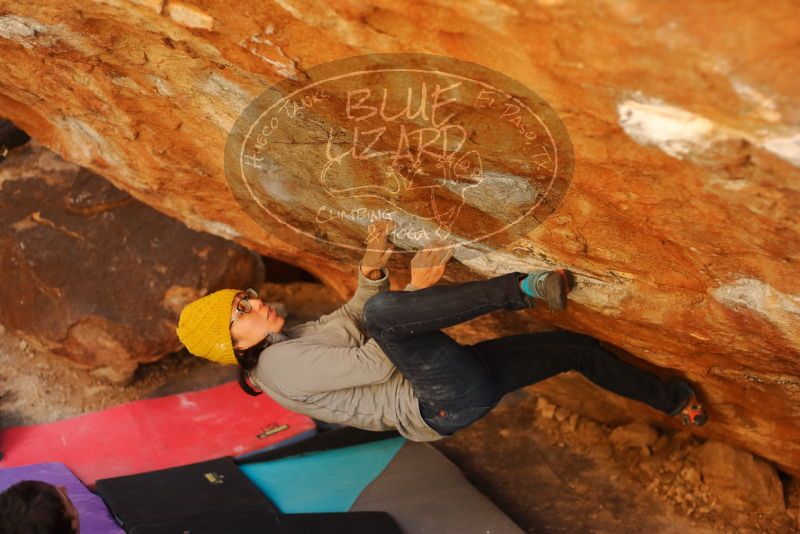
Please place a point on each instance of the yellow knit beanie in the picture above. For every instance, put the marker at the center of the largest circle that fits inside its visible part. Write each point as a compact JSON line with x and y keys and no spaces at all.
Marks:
{"x":204,"y":327}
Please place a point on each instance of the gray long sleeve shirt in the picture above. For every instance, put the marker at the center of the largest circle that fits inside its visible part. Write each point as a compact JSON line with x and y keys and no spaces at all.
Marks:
{"x":331,"y":370}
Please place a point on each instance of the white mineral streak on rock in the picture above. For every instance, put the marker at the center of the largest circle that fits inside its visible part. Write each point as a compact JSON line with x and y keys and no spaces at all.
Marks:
{"x":124,"y":81}
{"x":683,"y":134}
{"x":227,"y":100}
{"x":347,"y":32}
{"x":162,"y":86}
{"x":289,"y":9}
{"x":30,"y":32}
{"x":674,"y":130}
{"x":492,"y":263}
{"x":764,"y":105}
{"x":155,"y":5}
{"x":217,"y":228}
{"x":275,"y":181}
{"x":25,"y":31}
{"x":189,"y":16}
{"x":261,"y":46}
{"x":787,"y":147}
{"x":85,"y":144}
{"x":502,"y":195}
{"x":601,"y":295}
{"x":780,"y":309}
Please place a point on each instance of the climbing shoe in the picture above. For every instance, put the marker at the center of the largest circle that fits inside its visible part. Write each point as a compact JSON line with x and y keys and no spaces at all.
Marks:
{"x":550,"y":286}
{"x":691,"y":411}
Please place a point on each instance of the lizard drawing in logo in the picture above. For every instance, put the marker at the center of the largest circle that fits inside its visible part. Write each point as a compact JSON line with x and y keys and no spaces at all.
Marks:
{"x":414,"y":179}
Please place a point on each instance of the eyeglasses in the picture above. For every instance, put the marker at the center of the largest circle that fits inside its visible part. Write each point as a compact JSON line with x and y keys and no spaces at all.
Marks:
{"x":244,"y":306}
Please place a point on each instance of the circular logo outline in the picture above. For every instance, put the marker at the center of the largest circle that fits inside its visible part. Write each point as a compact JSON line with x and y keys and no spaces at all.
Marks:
{"x":565,"y":152}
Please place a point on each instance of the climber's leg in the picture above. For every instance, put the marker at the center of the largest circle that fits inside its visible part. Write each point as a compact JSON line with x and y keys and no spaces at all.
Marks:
{"x":395,"y":314}
{"x":451,"y":381}
{"x":519,"y":360}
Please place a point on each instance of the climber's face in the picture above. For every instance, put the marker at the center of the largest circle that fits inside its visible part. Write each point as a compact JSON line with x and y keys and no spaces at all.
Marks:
{"x":252,"y":321}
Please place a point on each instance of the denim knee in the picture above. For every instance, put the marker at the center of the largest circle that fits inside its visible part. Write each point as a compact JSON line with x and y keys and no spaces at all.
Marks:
{"x":448,"y":423}
{"x":371,"y":315}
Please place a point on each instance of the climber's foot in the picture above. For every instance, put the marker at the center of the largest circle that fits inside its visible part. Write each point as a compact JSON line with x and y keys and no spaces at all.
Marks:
{"x":691,"y":411}
{"x":550,"y":286}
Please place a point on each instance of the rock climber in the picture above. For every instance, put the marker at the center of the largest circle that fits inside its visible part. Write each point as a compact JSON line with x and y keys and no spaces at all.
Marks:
{"x":381,"y":361}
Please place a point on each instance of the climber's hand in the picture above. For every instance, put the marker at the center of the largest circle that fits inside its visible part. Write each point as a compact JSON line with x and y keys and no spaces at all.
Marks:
{"x":378,"y":247}
{"x":428,"y":265}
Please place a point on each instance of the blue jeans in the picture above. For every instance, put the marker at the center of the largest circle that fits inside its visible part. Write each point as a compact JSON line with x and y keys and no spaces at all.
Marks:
{"x":458,"y":384}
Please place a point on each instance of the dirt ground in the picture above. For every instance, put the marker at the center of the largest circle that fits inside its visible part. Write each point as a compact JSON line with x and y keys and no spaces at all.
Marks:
{"x":549,"y":469}
{"x":555,"y":471}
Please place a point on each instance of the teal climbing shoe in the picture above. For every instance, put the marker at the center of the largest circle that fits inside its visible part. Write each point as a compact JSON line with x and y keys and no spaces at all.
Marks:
{"x":550,"y":286}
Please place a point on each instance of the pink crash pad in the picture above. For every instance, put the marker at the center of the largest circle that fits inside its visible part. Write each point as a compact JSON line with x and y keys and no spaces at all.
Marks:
{"x":155,"y":434}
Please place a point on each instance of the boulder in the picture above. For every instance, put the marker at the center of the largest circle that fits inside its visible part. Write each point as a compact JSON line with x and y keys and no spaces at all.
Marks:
{"x":634,"y":435}
{"x":545,"y":408}
{"x":739,"y":479}
{"x":680,"y":221}
{"x":95,"y":276}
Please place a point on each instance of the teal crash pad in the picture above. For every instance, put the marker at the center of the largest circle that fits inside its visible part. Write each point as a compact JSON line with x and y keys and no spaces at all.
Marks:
{"x":324,"y":481}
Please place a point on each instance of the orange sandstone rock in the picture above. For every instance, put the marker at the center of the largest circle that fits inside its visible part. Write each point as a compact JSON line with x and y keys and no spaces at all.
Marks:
{"x":680,"y":221}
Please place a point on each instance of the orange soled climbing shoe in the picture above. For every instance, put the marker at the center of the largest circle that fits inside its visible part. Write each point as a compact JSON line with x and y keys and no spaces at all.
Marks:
{"x":691,"y":411}
{"x":550,"y":286}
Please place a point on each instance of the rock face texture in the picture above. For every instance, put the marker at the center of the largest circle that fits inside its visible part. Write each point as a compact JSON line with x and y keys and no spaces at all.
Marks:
{"x":680,"y":220}
{"x":747,"y":483}
{"x":95,"y":276}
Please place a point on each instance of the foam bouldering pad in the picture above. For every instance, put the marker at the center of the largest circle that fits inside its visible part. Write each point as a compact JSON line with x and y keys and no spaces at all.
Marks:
{"x":416,"y":484}
{"x":336,"y":438}
{"x":427,"y":494}
{"x":322,"y":481}
{"x":335,"y":523}
{"x":201,"y":490}
{"x":94,"y":516}
{"x":274,"y":448}
{"x":152,"y":434}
